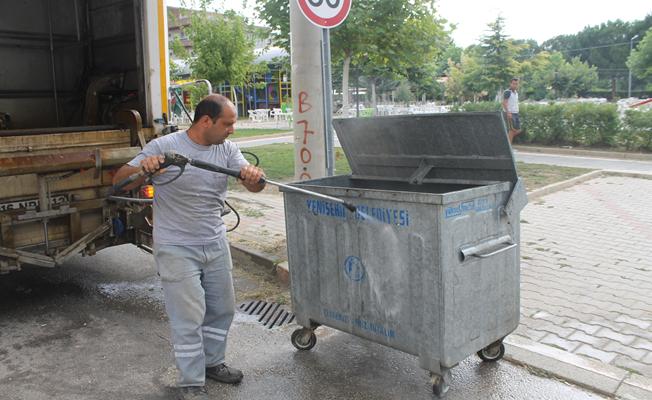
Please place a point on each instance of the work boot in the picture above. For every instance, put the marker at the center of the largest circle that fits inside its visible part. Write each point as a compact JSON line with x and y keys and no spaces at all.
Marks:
{"x":192,"y":393}
{"x":224,"y":374}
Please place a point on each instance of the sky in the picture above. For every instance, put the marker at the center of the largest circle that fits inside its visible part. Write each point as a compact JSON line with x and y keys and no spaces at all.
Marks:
{"x":524,"y":19}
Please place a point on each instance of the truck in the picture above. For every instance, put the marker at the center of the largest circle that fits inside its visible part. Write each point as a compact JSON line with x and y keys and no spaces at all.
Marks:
{"x":83,"y":86}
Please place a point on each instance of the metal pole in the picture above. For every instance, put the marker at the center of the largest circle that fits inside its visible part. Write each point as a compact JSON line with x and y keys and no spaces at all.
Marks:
{"x":631,"y":47}
{"x":54,"y":73}
{"x":357,"y":94}
{"x":328,"y":102}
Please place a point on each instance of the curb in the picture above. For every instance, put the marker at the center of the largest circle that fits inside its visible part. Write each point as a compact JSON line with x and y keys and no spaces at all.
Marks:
{"x":556,"y":187}
{"x":585,"y":153}
{"x":594,"y":375}
{"x":246,"y":255}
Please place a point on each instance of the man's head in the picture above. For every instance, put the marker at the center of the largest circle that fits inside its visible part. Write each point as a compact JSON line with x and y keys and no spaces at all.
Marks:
{"x":215,"y":118}
{"x":513,"y":85}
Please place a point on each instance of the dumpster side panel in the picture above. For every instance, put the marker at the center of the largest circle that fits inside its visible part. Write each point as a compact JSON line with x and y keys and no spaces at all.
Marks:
{"x":375,"y":275}
{"x":481,"y":291}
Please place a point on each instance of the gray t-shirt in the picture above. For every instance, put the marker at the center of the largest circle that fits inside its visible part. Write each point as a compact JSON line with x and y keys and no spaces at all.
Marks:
{"x":188,"y":211}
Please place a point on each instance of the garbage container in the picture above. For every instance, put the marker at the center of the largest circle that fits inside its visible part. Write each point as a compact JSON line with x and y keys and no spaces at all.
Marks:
{"x":429,"y":262}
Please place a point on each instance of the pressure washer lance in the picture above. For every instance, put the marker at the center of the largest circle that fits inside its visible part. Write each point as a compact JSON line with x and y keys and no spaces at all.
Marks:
{"x":180,"y":161}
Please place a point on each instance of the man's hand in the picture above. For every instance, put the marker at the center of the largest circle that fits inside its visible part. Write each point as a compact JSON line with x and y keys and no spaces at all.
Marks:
{"x":152,"y":164}
{"x":250,"y":177}
{"x":509,"y":115}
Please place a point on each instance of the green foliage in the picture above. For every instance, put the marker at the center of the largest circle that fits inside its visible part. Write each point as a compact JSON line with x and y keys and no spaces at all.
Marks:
{"x":604,"y":46}
{"x":497,"y":58}
{"x":640,"y":60}
{"x":590,"y":124}
{"x":637,"y":130}
{"x":543,"y":124}
{"x":222,"y":48}
{"x":404,"y":93}
{"x":576,"y":124}
{"x":382,"y":39}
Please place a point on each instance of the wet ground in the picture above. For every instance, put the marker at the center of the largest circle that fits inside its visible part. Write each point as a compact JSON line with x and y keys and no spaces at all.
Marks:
{"x":96,"y":330}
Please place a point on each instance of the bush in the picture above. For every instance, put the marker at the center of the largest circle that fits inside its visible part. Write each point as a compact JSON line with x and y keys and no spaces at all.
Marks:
{"x":543,"y":124}
{"x":636,"y":132}
{"x":591,"y":124}
{"x":576,"y":124}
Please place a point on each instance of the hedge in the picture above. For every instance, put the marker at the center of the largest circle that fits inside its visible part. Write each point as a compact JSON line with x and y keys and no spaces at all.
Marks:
{"x":636,"y":132}
{"x":579,"y":124}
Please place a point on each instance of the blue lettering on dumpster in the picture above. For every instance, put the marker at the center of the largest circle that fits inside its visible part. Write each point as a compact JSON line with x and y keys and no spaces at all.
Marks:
{"x":360,"y":323}
{"x":467,"y":207}
{"x":390,"y":216}
{"x":326,"y":208}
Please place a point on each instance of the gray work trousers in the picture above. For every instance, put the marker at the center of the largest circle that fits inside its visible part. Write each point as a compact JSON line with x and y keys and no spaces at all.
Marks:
{"x":199,"y":300}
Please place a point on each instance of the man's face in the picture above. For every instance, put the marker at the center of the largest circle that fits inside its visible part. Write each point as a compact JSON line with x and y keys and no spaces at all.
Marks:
{"x":514,"y":85}
{"x":221,"y":129}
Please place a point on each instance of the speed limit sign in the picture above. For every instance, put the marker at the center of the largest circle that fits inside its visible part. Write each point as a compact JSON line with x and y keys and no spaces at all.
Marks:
{"x":325,"y":13}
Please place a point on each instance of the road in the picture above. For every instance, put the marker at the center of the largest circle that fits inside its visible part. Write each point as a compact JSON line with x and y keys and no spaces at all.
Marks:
{"x":95,"y":329}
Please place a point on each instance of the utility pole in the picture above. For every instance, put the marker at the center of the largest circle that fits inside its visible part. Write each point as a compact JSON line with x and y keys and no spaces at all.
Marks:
{"x":307,"y":97}
{"x":631,"y":47}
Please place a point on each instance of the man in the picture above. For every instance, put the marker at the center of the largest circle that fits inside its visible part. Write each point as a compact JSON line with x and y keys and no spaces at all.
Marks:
{"x":190,"y":247}
{"x":510,"y":106}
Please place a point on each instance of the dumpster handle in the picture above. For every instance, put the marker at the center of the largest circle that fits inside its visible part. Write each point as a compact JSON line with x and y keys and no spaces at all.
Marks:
{"x":480,"y":250}
{"x":511,"y":246}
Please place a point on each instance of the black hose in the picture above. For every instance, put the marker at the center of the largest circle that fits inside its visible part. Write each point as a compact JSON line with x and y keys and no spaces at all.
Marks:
{"x":237,"y":216}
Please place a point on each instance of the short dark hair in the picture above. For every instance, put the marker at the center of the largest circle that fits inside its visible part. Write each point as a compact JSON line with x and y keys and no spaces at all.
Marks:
{"x":212,"y":106}
{"x":514,"y":79}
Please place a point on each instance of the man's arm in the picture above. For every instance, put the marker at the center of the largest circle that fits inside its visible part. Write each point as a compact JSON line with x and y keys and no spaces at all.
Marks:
{"x":148,"y":164}
{"x":506,"y":102}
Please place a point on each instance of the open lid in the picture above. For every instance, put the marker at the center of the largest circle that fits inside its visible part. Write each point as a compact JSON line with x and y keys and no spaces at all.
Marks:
{"x":470,"y":147}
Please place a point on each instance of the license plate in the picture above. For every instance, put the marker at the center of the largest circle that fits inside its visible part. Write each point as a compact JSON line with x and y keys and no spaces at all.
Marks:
{"x":32,"y":204}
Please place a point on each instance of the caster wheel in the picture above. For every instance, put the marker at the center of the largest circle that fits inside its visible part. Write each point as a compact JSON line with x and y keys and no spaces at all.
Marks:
{"x":439,"y":386}
{"x":303,"y":339}
{"x":493,"y":352}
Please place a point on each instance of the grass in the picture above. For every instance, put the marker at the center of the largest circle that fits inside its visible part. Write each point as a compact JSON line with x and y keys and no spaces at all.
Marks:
{"x":540,"y":175}
{"x":242,"y":133}
{"x":278,"y":162}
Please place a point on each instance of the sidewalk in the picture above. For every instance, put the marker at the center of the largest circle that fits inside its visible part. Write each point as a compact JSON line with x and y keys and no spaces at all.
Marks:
{"x":586,"y":278}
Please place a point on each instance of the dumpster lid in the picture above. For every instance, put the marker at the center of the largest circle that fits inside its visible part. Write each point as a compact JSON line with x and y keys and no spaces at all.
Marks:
{"x":469,"y":147}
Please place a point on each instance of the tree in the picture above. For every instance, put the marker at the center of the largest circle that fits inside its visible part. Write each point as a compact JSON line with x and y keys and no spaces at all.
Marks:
{"x":605,"y":46}
{"x":378,"y":35}
{"x":222,"y":48}
{"x":549,"y":75}
{"x":497,"y":54}
{"x":640,"y":60}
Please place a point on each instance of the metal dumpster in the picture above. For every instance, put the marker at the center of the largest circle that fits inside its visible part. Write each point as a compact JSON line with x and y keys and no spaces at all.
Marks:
{"x":429,"y":262}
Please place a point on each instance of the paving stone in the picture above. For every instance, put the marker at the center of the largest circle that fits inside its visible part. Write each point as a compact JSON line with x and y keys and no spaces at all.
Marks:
{"x":556,"y":341}
{"x":591,"y":340}
{"x":592,"y":352}
{"x":633,"y":353}
{"x":618,"y":337}
{"x":633,"y":366}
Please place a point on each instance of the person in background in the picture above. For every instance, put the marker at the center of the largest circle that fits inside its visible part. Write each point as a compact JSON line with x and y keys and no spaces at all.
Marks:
{"x":510,"y":107}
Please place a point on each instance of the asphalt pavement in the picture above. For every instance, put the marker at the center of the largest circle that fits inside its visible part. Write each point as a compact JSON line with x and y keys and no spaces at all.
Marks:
{"x":95,"y":329}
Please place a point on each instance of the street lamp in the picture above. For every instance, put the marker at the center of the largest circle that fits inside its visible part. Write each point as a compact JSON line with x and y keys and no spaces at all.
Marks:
{"x":631,"y":47}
